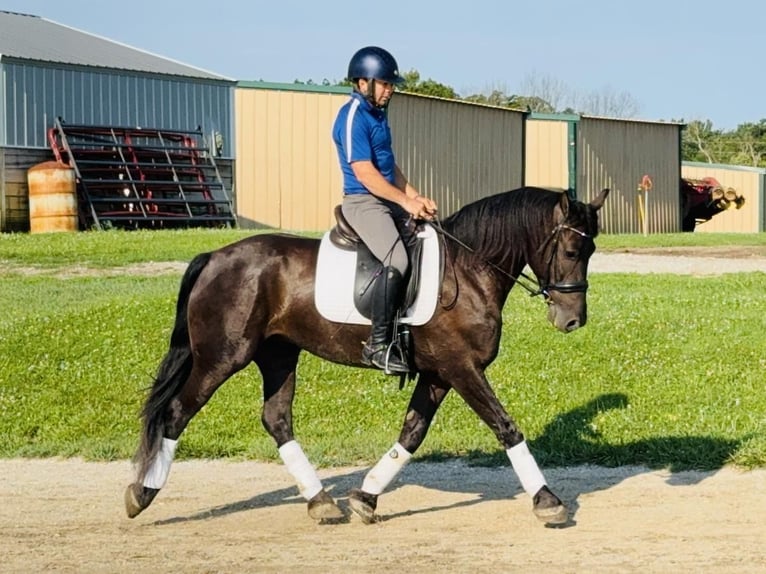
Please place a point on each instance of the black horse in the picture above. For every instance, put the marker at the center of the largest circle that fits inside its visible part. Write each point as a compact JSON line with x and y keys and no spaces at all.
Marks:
{"x":253,"y":301}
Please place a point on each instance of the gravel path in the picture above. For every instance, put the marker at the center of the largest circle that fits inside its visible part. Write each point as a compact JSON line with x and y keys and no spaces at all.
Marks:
{"x":681,"y":264}
{"x":218,"y":516}
{"x":655,"y":261}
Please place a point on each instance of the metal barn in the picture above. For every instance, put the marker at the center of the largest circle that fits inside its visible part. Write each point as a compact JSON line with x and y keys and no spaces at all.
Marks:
{"x":748,"y":182}
{"x":286,"y":174}
{"x":49,"y":71}
{"x":584,"y":154}
{"x":287,"y":171}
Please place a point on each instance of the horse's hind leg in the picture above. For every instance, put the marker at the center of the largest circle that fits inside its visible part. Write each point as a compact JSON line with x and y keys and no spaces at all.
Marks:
{"x":165,"y":418}
{"x":277,"y":359}
{"x":428,"y":395}
{"x":190,"y":373}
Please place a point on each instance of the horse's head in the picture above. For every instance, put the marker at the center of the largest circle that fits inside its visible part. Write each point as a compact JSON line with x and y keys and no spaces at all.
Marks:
{"x":561,"y":264}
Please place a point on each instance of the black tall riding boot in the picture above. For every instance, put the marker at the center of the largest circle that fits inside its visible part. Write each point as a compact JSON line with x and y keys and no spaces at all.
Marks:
{"x":386,"y":297}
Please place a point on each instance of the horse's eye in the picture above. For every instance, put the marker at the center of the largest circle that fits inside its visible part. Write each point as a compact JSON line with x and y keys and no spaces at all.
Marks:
{"x":570,"y":254}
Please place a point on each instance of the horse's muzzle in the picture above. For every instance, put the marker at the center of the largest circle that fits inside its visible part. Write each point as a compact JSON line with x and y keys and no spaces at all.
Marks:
{"x":567,"y":316}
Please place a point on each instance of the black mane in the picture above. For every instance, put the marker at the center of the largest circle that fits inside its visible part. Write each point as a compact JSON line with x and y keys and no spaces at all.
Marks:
{"x":499,"y":227}
{"x":496,"y":227}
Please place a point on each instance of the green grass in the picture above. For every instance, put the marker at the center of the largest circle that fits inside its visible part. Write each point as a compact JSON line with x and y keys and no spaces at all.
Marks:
{"x":115,"y":248}
{"x":112,"y":248}
{"x":607,"y":242}
{"x":667,"y":373}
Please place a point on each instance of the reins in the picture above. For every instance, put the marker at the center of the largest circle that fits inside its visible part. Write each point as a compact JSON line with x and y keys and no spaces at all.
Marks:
{"x":530,"y":284}
{"x":533,"y":291}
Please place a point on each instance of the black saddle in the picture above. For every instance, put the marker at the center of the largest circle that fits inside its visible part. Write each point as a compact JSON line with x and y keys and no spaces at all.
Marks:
{"x":343,"y":235}
{"x":368,"y":266}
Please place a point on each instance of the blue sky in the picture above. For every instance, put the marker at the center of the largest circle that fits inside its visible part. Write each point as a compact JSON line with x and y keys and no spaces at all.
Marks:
{"x":677,"y":59}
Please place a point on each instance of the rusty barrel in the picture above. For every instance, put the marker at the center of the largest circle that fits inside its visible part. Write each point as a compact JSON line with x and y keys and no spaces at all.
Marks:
{"x":52,"y":198}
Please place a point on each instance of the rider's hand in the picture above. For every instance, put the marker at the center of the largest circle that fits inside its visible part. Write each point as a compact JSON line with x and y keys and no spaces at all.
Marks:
{"x":421,"y":207}
{"x":429,"y":205}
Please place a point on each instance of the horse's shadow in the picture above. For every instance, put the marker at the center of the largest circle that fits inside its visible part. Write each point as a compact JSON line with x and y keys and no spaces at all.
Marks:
{"x":683,"y":457}
{"x":687,"y":459}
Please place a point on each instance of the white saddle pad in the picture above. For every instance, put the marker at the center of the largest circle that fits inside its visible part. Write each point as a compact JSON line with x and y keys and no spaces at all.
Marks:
{"x":336,"y":270}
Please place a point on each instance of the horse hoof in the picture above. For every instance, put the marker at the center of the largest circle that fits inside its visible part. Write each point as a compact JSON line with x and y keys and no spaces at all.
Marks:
{"x":322,"y":507}
{"x":137,"y":498}
{"x":548,"y":508}
{"x":363,"y":505}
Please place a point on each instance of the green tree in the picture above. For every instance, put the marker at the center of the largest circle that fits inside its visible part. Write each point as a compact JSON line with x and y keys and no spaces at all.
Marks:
{"x":494,"y":98}
{"x":429,"y":87}
{"x":745,"y":145}
{"x":699,"y":142}
{"x":533,"y":104}
{"x":749,"y":144}
{"x":500,"y":99}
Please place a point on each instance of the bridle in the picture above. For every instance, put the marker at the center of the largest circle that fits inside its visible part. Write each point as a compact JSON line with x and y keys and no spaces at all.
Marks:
{"x":561,"y":287}
{"x":530,"y":284}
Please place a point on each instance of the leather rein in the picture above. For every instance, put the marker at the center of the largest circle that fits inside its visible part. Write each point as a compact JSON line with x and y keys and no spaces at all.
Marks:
{"x":530,"y":284}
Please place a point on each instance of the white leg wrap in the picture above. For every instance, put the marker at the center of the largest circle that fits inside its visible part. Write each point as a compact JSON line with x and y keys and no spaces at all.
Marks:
{"x":301,"y":469}
{"x":158,"y":472}
{"x":381,"y":475}
{"x":526,"y":468}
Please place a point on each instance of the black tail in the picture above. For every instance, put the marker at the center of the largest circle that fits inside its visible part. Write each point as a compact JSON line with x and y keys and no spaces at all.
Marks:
{"x":172,"y":373}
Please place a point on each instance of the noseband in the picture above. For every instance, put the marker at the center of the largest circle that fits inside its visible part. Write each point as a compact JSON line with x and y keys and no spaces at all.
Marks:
{"x":561,"y":287}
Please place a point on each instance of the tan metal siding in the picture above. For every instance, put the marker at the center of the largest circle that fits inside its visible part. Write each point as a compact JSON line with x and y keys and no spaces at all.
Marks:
{"x":747,"y":182}
{"x":617,"y":154}
{"x":287,"y":167}
{"x":456,"y":152}
{"x":547,"y":159}
{"x":286,"y":170}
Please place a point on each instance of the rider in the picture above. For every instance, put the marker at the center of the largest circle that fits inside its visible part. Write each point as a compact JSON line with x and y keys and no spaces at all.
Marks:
{"x":378,"y":201}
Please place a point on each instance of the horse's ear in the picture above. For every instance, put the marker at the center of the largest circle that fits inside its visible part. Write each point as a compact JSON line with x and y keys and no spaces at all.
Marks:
{"x":598,"y":201}
{"x":564,"y":204}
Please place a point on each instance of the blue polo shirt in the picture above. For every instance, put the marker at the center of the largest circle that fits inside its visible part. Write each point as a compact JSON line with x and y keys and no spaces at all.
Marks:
{"x":361,"y":132}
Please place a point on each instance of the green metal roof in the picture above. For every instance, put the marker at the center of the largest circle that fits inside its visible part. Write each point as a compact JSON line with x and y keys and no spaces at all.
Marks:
{"x":295,"y":87}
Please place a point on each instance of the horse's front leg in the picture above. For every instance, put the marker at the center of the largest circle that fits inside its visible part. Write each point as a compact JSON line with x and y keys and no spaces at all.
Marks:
{"x":473,"y":386}
{"x":277,"y":363}
{"x":428,"y":395}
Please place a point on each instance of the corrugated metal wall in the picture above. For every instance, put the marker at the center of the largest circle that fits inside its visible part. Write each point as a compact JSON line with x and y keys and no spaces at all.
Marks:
{"x":457,"y":152}
{"x":547,"y":154}
{"x":35,"y":93}
{"x":617,"y":154}
{"x":287,"y":167}
{"x":287,"y":173}
{"x":748,"y":182}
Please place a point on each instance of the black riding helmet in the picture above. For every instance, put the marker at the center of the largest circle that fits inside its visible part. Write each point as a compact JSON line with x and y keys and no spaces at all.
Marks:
{"x":373,"y":63}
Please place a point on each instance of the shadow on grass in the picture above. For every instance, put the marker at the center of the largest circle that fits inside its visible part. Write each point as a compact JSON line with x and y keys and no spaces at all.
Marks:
{"x":569,"y":441}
